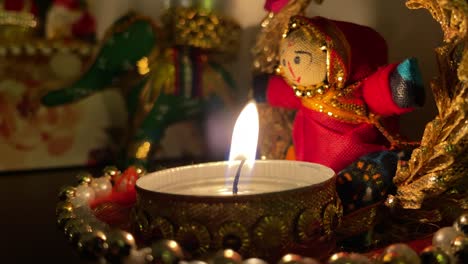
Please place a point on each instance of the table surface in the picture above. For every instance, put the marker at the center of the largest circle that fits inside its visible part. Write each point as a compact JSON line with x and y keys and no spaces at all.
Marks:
{"x":30,"y":234}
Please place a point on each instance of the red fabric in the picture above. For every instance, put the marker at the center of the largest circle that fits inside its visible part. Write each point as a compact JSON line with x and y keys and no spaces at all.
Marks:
{"x":279,"y":93}
{"x":85,"y":26}
{"x":368,"y":50}
{"x":322,"y":139}
{"x":69,"y":4}
{"x":121,"y":198}
{"x":380,"y":101}
{"x":275,"y":5}
{"x":328,"y":141}
{"x":17,"y":5}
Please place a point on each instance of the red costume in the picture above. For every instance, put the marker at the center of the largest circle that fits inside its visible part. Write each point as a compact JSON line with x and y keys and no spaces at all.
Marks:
{"x":336,"y":121}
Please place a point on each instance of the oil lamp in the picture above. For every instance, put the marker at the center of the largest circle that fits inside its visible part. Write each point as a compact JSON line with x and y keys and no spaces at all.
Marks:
{"x":261,"y":208}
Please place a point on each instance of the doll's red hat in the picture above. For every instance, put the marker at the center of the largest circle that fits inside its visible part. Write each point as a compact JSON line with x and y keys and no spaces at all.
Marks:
{"x":354,"y":51}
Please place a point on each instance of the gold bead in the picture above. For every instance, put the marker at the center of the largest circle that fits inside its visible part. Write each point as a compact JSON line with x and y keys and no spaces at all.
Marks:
{"x":63,"y":207}
{"x":84,"y":178}
{"x":296,"y":259}
{"x":111,"y":171}
{"x":227,"y":256}
{"x":120,"y":244}
{"x":166,"y":252}
{"x":343,"y":257}
{"x":64,"y":217}
{"x":66,"y":193}
{"x":92,"y":245}
{"x":399,"y":253}
{"x":140,"y":170}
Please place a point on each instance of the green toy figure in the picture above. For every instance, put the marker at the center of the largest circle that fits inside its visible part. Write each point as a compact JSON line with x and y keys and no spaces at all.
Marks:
{"x":165,"y":75}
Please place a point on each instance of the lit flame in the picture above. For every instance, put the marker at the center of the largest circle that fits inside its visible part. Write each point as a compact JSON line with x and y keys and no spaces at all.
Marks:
{"x":245,"y":135}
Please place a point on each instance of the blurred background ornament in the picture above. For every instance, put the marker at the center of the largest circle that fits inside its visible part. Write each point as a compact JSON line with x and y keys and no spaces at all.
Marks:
{"x":164,"y":81}
{"x":69,"y":19}
{"x":59,"y":64}
{"x":18,"y":20}
{"x":37,"y":137}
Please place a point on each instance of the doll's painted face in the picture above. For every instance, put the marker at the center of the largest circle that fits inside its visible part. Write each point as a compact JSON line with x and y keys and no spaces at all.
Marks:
{"x":302,"y":60}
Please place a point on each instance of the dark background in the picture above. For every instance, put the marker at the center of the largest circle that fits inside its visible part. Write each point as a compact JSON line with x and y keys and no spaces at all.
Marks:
{"x":27,"y":219}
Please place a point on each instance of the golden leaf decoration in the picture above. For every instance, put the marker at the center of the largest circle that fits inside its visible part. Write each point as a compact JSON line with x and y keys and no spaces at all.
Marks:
{"x":437,"y":169}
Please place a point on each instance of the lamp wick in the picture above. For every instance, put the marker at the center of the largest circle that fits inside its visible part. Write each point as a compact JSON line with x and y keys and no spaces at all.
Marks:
{"x":236,"y":178}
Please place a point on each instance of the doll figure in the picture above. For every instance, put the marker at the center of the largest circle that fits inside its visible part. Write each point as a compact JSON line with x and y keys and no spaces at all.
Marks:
{"x":337,"y":77}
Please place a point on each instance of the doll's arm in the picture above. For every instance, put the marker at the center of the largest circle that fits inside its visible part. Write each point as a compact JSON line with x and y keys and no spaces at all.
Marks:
{"x":394,"y":89}
{"x":279,"y":93}
{"x":407,"y":85}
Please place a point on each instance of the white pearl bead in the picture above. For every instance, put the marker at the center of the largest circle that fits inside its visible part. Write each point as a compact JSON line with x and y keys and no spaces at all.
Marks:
{"x":254,"y":261}
{"x":83,"y":195}
{"x":443,"y":237}
{"x":102,"y":187}
{"x":138,"y":256}
{"x":399,"y":253}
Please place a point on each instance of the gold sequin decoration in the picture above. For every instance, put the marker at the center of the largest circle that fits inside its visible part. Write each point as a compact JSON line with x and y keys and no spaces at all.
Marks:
{"x":269,"y":220}
{"x":140,"y":223}
{"x":270,"y":232}
{"x":309,"y":225}
{"x":358,"y":221}
{"x":161,"y":228}
{"x":194,"y":238}
{"x":332,"y":217}
{"x":332,"y":104}
{"x":233,"y":235}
